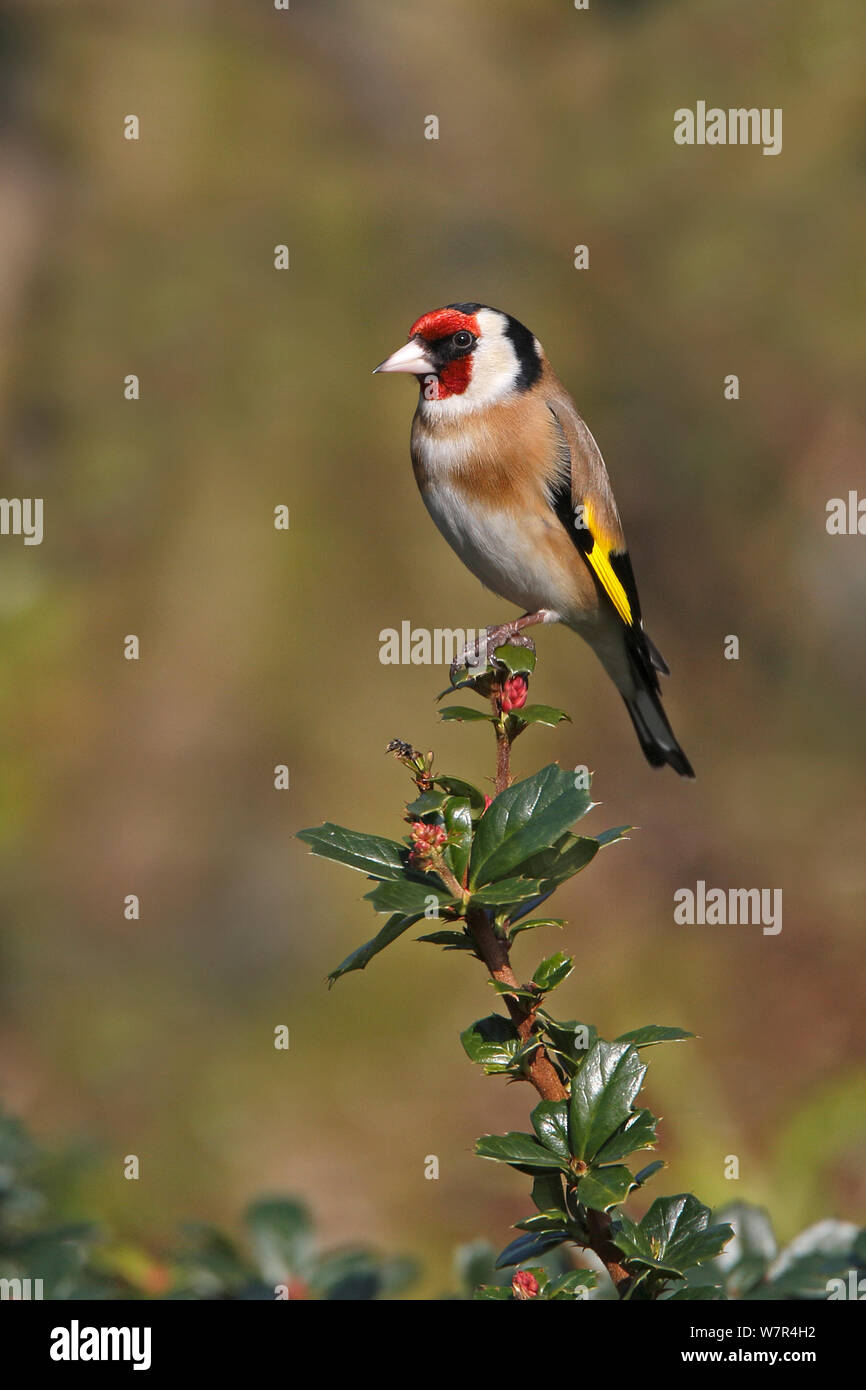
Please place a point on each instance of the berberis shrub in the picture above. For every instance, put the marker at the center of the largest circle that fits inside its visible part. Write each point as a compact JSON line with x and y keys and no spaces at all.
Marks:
{"x":482,"y":867}
{"x":476,"y":870}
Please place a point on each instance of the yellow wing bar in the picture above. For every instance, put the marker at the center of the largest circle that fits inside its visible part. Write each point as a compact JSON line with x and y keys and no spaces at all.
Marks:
{"x":599,"y":558}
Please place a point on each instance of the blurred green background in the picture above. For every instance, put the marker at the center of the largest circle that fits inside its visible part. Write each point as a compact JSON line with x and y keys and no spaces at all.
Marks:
{"x":261,"y":647}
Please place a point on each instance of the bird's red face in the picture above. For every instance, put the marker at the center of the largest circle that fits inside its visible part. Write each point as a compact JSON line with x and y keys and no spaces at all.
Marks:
{"x":440,"y":351}
{"x":467,"y":357}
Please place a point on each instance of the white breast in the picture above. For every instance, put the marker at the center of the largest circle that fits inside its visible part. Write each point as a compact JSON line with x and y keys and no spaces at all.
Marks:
{"x":501,"y":549}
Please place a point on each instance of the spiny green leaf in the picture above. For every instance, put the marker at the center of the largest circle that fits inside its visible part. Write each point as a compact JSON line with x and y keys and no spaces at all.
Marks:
{"x":569,"y":1036}
{"x":465,"y":714}
{"x":530,"y":1247}
{"x":550,"y":1122}
{"x":547,"y":1194}
{"x":506,"y":892}
{"x":521,"y":1151}
{"x":552,"y":971}
{"x":409,"y":896}
{"x":638,"y":1132}
{"x":370,"y":854}
{"x":610,"y":837}
{"x":649,"y":1172}
{"x":603,"y":1188}
{"x":602,"y":1094}
{"x":522,"y":820}
{"x":540,"y":714}
{"x":425,"y":804}
{"x":542,"y":1221}
{"x":450,"y":940}
{"x":492,"y":1042}
{"x":531,"y":923}
{"x":360,"y":958}
{"x":455,"y":786}
{"x":557,"y":862}
{"x":704,"y":1293}
{"x":518,"y":660}
{"x":568,"y":1286}
{"x":654,"y":1033}
{"x":674,"y":1235}
{"x":514,"y":991}
{"x":457,"y":814}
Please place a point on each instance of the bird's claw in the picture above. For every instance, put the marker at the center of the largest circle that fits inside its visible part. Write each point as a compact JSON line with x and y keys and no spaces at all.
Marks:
{"x":477,"y":657}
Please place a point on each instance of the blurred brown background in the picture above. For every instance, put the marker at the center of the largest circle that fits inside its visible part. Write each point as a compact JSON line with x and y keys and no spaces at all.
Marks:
{"x":259,"y":647}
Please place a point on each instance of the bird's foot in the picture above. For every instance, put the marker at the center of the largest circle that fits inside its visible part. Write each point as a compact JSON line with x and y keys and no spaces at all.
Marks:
{"x":477,"y":656}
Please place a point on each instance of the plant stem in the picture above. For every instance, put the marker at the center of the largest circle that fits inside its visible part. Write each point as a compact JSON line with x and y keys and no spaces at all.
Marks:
{"x":503,"y":750}
{"x":539,"y":1070}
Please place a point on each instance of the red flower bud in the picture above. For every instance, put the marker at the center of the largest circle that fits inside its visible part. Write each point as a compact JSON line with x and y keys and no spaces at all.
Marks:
{"x":513,"y":694}
{"x":524,"y":1285}
{"x":426,"y":840}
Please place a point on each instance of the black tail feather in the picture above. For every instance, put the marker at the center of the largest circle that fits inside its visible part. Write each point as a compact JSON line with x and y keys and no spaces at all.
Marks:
{"x":657,"y":738}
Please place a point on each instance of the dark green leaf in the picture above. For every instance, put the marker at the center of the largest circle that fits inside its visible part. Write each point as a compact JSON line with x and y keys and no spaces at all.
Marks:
{"x":654,"y":1033}
{"x":638,"y":1132}
{"x":569,"y":1036}
{"x":451,"y":940}
{"x":465,"y":714}
{"x":530,"y":1247}
{"x":648,"y":1172}
{"x":513,"y":991}
{"x":705,"y":1293}
{"x":579,"y":852}
{"x":547,"y":1194}
{"x":361,"y":957}
{"x":492,"y":1042}
{"x":610,"y":837}
{"x":425,"y":804}
{"x":550,"y":1122}
{"x":540,"y":714}
{"x":603,"y":1188}
{"x":524,"y":819}
{"x":534,"y":922}
{"x":521,"y":1151}
{"x":370,"y":854}
{"x":409,"y":896}
{"x":457,"y":814}
{"x":569,"y":1286}
{"x":602,"y":1094}
{"x":518,"y":660}
{"x":561,"y":861}
{"x":543,"y":1221}
{"x":674,"y":1235}
{"x":455,"y":786}
{"x":506,"y":892}
{"x":552,"y":971}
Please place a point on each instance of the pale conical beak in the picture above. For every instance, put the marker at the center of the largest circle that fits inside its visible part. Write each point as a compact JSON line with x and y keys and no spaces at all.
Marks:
{"x":412,"y":358}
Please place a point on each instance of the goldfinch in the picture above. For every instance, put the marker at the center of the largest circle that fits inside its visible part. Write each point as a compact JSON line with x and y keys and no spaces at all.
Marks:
{"x":515,"y":482}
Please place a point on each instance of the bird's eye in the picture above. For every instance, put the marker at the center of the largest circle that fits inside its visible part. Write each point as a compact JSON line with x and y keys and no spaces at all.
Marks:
{"x":463,"y":339}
